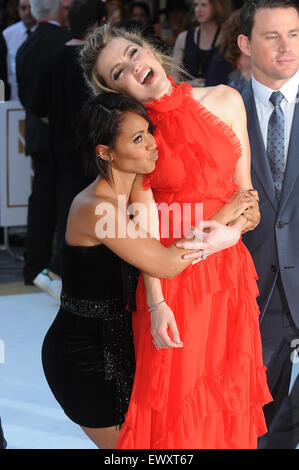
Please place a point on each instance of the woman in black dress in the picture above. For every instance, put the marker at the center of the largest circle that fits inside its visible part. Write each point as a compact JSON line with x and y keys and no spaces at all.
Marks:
{"x":88,"y":352}
{"x":195,"y":48}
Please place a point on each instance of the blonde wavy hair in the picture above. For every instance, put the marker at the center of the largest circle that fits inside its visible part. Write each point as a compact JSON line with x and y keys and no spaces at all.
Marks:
{"x":97,"y":39}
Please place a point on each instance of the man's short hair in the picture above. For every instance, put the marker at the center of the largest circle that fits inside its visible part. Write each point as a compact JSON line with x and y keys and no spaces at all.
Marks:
{"x":250,"y":8}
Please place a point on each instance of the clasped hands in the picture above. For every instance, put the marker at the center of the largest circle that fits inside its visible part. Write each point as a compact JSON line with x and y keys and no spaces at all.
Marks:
{"x":235,"y":218}
{"x":240,"y":215}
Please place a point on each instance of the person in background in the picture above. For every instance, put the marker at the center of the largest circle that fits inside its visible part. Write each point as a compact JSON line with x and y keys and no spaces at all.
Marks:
{"x":3,"y":68}
{"x":140,"y":20}
{"x":195,"y":48}
{"x":59,"y":98}
{"x":10,"y":13}
{"x":115,"y":11}
{"x":65,"y":6}
{"x":174,"y":24}
{"x":3,"y":443}
{"x":31,"y":61}
{"x":140,"y":12}
{"x":270,"y":38}
{"x":229,"y":66}
{"x":14,"y":36}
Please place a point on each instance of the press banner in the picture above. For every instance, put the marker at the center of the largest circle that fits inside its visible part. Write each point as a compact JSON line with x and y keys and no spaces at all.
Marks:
{"x":15,"y":167}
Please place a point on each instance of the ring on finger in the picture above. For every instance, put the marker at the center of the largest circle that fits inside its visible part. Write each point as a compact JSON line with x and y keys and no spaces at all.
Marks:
{"x":204,"y":255}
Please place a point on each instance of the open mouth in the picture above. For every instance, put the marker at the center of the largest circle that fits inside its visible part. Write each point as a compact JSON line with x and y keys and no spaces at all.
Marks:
{"x":147,"y":76}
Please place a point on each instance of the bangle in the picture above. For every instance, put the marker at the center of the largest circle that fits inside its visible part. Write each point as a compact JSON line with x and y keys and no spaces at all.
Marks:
{"x":249,"y":191}
{"x":155,"y":306}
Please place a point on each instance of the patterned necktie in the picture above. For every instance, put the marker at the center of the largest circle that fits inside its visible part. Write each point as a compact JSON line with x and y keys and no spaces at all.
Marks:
{"x":276,"y":141}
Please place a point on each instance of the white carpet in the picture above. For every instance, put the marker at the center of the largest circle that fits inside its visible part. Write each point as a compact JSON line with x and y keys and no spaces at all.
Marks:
{"x":31,"y":417}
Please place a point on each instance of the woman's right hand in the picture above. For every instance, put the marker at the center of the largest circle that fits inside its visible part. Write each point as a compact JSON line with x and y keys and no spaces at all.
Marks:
{"x":215,"y":236}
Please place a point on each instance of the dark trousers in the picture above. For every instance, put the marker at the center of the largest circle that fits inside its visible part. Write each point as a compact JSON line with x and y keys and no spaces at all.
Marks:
{"x":3,"y":442}
{"x":41,"y":220}
{"x":279,"y":338}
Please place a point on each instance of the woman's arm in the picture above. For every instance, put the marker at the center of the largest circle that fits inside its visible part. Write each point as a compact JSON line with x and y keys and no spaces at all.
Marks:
{"x":162,"y":317}
{"x":96,"y":220}
{"x":179,"y":48}
{"x":242,"y":211}
{"x":227,"y":104}
{"x":242,"y":175}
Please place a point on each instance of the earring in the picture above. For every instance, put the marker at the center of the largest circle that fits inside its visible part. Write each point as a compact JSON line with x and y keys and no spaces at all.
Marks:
{"x":103,"y":158}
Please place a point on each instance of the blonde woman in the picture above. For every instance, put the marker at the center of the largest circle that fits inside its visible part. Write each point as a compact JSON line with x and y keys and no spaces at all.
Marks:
{"x":199,"y":381}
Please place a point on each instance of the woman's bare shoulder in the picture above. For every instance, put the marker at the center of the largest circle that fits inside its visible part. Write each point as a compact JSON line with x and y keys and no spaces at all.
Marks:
{"x":181,"y":38}
{"x":222,"y":100}
{"x":84,"y":213}
{"x":212,"y":95}
{"x":85,"y":204}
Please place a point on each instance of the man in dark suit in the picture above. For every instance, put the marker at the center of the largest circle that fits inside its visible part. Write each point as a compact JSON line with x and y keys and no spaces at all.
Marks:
{"x":3,"y":68}
{"x":31,"y":61}
{"x":61,"y":95}
{"x":270,"y":36}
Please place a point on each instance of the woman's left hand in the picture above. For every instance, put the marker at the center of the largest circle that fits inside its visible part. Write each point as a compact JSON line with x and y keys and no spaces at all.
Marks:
{"x":253,"y":218}
{"x":162,"y":319}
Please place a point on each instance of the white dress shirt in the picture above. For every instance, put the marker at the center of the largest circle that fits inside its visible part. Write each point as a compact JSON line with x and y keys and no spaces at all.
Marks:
{"x":265,"y":108}
{"x":14,"y":36}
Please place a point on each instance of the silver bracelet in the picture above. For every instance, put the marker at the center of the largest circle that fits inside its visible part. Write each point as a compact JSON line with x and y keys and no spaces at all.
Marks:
{"x":155,"y":306}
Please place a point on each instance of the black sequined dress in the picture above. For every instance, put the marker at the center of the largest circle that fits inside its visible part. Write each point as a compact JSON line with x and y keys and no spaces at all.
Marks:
{"x":88,"y":353}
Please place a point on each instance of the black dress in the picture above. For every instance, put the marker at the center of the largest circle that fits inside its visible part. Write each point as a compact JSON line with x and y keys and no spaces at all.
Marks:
{"x":88,"y":352}
{"x":197,"y":61}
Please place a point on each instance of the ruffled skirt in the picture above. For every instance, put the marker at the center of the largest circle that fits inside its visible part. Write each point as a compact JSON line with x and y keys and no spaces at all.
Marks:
{"x":210,"y":393}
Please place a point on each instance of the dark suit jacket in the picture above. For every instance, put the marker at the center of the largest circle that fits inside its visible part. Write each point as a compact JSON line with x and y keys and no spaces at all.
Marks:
{"x":31,"y":60}
{"x":61,"y":97}
{"x":3,"y":66}
{"x":274,"y":244}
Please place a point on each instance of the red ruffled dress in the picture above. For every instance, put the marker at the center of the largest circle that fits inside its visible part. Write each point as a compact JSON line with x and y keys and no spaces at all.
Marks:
{"x":210,"y":393}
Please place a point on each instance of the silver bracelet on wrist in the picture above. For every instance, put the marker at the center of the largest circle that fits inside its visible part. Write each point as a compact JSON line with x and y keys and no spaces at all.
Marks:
{"x":155,"y":306}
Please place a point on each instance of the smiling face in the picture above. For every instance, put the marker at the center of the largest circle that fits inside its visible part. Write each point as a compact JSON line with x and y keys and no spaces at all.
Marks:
{"x":132,"y":69}
{"x":135,"y":148}
{"x":274,"y":45}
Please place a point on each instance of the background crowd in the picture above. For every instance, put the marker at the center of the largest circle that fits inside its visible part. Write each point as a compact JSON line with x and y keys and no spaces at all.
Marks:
{"x":42,"y":72}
